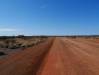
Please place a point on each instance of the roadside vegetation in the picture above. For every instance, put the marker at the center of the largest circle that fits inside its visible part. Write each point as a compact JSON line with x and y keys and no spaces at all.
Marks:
{"x":14,"y":42}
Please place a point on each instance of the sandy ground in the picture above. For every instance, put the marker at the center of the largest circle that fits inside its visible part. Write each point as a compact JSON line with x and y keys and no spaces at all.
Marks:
{"x":59,"y":57}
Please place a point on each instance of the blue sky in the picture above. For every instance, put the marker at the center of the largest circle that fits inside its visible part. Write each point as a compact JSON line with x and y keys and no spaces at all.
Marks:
{"x":49,"y":17}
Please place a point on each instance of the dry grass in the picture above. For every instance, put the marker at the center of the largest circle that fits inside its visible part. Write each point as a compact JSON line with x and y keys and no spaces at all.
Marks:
{"x":20,"y":42}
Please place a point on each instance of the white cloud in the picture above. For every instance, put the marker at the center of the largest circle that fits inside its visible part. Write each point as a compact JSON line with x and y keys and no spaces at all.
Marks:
{"x":7,"y":29}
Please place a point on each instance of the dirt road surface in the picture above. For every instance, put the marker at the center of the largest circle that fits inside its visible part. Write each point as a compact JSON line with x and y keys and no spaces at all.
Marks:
{"x":60,"y":56}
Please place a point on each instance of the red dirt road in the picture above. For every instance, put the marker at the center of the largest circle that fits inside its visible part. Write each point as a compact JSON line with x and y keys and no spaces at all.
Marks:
{"x":59,"y":57}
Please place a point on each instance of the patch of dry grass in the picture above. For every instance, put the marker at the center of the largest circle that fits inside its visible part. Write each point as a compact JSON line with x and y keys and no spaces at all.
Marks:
{"x":20,"y":42}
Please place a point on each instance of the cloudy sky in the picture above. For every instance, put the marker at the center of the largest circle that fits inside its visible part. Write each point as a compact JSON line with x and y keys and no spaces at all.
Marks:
{"x":49,"y":17}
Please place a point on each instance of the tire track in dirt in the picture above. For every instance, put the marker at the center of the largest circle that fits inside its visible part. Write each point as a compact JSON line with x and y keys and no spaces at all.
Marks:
{"x":86,"y":46}
{"x":59,"y":57}
{"x":88,"y":42}
{"x":68,"y":58}
{"x":91,"y":63}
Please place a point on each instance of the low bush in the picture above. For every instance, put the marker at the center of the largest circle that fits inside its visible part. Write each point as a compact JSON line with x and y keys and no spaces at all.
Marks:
{"x":2,"y":53}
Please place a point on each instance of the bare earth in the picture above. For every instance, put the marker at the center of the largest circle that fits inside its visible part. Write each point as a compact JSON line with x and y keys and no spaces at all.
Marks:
{"x":59,"y":56}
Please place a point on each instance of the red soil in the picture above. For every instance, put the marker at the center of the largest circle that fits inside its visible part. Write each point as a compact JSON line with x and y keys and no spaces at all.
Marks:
{"x":63,"y":57}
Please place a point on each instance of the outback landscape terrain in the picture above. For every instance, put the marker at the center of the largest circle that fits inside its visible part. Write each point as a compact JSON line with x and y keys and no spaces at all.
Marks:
{"x":10,"y":44}
{"x":56,"y":55}
{"x":49,"y":37}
